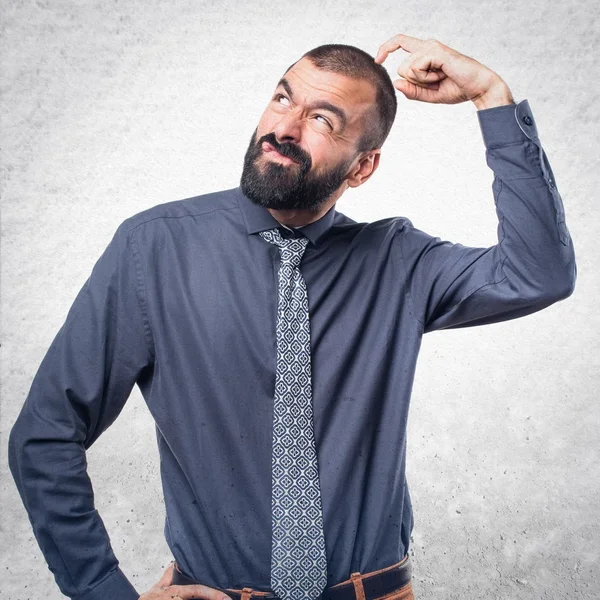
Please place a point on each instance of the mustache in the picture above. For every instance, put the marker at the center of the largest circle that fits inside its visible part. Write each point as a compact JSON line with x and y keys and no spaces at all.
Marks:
{"x":290,"y":150}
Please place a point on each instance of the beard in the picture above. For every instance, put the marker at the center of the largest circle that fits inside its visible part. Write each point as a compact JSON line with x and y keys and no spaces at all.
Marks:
{"x":287,"y":186}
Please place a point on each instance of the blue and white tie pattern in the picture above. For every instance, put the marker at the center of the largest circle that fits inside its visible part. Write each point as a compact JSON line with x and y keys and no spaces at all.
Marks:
{"x":298,"y":560}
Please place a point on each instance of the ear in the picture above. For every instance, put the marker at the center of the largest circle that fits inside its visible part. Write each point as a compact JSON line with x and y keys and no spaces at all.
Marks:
{"x":366,"y":166}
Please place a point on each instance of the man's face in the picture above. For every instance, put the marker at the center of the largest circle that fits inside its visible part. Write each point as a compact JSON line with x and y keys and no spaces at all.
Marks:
{"x":305,"y":143}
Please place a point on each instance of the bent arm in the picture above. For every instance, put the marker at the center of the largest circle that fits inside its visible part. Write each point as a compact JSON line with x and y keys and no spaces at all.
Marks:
{"x":533,"y":263}
{"x":82,"y":384}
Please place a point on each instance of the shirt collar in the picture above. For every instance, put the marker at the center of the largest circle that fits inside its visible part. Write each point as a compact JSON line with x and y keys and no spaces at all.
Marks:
{"x":258,"y":218}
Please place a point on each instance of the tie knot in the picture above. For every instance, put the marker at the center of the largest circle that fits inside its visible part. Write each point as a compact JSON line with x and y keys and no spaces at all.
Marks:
{"x":292,"y":249}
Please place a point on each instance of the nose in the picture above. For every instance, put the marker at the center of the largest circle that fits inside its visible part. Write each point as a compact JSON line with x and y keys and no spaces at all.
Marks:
{"x":288,"y":129}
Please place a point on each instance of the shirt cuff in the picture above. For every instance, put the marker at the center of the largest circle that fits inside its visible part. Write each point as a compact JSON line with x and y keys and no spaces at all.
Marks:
{"x":114,"y":585}
{"x":507,"y":124}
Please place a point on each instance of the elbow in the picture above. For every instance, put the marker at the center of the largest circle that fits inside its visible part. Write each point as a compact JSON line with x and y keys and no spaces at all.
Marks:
{"x":567,"y":282}
{"x":15,"y":448}
{"x":560,"y":287}
{"x":541,"y":291}
{"x":19,"y":447}
{"x":569,"y":286}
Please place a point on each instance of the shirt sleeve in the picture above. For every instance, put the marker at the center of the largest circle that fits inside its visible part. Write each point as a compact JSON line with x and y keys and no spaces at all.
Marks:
{"x":533,"y":263}
{"x":101,"y":350}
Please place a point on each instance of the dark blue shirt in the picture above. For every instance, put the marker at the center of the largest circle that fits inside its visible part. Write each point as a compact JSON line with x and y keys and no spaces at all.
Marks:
{"x":183,"y":302}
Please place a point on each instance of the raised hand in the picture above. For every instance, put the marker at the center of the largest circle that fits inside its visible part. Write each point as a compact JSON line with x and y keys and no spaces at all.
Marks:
{"x":434,"y":72}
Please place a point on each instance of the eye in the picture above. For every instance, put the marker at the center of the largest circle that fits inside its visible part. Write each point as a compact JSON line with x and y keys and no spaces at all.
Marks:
{"x":279,"y":96}
{"x":324,"y":120}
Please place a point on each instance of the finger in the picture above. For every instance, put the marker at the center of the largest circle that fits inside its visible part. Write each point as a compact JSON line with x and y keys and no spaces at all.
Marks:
{"x":167,"y":576}
{"x":419,"y":76}
{"x":422,"y":77}
{"x":417,"y":92}
{"x":203,"y":592}
{"x":428,"y":75}
{"x":414,"y":79}
{"x":428,"y":67}
{"x":440,"y":75}
{"x":406,"y":42}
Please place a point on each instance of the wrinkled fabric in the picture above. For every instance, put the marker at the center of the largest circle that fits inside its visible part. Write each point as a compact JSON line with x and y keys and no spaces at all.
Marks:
{"x":183,"y":303}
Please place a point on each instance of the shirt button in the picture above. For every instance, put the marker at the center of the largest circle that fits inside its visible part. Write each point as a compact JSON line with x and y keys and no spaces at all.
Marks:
{"x":528,"y":120}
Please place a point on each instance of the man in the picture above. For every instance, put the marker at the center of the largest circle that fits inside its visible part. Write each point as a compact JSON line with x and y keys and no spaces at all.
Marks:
{"x":275,"y":339}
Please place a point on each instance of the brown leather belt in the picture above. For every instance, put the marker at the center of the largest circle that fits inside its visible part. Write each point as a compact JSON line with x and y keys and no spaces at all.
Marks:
{"x":375,"y":584}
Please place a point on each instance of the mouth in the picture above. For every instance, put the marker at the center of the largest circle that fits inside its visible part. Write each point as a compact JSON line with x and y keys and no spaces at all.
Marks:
{"x":273,"y":154}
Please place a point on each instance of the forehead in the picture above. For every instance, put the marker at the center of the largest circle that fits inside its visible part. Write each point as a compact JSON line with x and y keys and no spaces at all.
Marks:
{"x":310,"y":84}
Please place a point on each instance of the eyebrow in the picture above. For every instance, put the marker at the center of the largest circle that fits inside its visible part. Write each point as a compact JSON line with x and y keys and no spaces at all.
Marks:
{"x":336,"y":110}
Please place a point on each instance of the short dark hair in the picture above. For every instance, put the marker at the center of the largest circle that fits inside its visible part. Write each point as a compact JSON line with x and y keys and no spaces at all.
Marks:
{"x":358,"y":64}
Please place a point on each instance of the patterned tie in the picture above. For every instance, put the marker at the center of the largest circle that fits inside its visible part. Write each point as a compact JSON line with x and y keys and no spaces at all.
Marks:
{"x":298,"y":561}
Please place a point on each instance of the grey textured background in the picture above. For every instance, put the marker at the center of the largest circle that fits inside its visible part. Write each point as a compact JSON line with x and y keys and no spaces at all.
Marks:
{"x":112,"y":107}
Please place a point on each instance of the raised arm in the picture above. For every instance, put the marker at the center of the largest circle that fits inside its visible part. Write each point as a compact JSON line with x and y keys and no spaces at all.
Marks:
{"x":533,"y":263}
{"x":85,"y":378}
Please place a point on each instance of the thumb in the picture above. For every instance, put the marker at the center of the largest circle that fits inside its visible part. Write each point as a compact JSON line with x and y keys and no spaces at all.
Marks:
{"x":406,"y":87}
{"x":167,"y":577}
{"x":423,"y":93}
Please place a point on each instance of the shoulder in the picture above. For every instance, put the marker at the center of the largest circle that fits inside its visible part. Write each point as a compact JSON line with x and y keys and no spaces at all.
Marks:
{"x":194,"y":207}
{"x":370,"y":231}
{"x":391,"y":224}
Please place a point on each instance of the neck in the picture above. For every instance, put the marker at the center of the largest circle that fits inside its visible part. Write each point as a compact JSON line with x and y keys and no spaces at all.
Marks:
{"x":299,"y":217}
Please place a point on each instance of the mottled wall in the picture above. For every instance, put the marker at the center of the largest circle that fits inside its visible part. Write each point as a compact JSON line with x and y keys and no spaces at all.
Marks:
{"x":111,"y":107}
